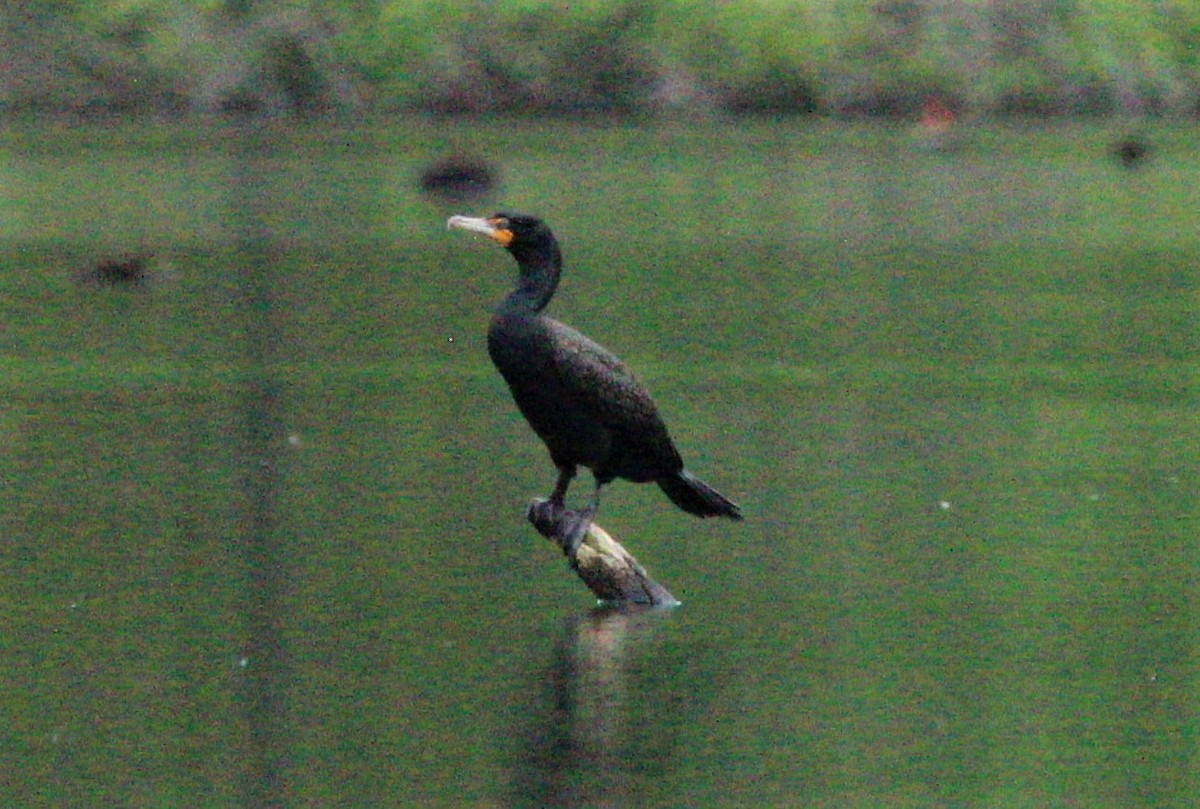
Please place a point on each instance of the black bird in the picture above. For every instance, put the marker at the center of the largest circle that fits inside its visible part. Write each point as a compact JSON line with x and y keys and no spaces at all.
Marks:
{"x":583,"y":402}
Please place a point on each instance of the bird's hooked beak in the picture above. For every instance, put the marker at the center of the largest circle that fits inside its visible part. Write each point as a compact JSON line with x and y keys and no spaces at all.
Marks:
{"x":495,"y":228}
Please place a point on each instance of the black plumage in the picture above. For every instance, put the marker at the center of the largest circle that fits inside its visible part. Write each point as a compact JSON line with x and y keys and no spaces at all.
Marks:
{"x":584,"y":403}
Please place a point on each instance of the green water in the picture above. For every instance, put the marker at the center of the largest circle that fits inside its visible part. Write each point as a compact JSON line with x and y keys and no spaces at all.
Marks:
{"x":262,"y":518}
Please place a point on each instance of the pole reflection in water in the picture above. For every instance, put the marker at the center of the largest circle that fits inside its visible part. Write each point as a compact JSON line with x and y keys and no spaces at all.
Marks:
{"x":586,"y":739}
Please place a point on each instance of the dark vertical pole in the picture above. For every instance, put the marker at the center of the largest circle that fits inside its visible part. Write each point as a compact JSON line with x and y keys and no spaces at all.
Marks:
{"x":265,"y":657}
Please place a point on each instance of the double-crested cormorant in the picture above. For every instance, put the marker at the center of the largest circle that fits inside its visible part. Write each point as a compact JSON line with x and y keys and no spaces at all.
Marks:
{"x":583,"y":402}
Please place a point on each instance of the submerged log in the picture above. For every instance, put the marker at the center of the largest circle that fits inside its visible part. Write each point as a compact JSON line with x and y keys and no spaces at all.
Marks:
{"x":131,"y":269}
{"x":609,"y":571}
{"x":459,"y":178}
{"x":1132,"y":151}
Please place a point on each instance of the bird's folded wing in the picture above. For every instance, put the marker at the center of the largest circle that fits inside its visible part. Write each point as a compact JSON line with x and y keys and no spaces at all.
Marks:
{"x":597,"y":380}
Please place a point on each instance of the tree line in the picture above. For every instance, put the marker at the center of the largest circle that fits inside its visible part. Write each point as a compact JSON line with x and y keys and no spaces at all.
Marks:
{"x":834,"y":57}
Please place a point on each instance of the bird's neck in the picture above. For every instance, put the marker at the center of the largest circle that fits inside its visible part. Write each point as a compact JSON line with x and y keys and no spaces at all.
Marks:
{"x":536,"y":285}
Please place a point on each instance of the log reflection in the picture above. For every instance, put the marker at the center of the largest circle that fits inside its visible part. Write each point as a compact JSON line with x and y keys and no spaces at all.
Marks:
{"x":581,"y":749}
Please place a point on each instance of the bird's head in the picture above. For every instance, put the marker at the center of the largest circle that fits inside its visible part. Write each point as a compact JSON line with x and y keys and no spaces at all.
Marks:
{"x":531,"y":244}
{"x":517,"y":232}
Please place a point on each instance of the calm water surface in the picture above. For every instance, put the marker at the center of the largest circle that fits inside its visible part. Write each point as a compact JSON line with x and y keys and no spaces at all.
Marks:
{"x":263,"y":516}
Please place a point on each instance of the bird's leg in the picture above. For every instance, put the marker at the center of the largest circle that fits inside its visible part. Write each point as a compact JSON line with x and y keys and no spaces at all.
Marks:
{"x":559,"y":495}
{"x":581,"y":524}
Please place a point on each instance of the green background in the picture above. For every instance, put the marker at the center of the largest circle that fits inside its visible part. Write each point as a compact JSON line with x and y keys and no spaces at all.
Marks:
{"x":262,"y":515}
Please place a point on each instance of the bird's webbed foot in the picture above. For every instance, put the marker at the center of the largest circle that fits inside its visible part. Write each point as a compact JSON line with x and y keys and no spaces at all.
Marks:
{"x":566,"y":527}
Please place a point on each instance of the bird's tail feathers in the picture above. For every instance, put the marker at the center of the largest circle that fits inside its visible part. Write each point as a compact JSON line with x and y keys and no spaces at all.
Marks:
{"x":695,"y":496}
